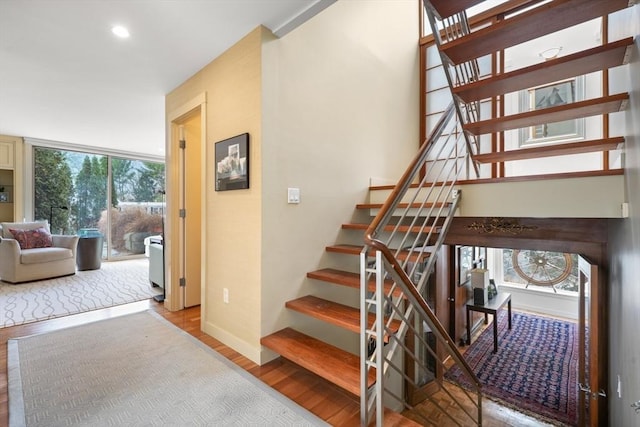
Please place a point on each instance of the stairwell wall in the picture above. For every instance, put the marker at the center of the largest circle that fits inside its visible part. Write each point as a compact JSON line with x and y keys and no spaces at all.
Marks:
{"x":624,"y":305}
{"x":340,"y":105}
{"x":328,"y":106}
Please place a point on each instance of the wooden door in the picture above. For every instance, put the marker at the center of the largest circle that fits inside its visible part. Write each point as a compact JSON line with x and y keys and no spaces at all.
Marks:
{"x":191,"y":230}
{"x":592,"y":368}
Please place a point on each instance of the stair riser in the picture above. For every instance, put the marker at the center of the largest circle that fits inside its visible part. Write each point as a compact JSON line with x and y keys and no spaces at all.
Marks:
{"x":415,"y":212}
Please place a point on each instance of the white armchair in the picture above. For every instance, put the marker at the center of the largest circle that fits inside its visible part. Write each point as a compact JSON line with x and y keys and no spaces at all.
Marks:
{"x":23,"y":265}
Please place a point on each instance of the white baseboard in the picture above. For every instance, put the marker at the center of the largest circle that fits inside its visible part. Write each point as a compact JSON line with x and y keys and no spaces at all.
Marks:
{"x":544,"y":303}
{"x":242,"y":347}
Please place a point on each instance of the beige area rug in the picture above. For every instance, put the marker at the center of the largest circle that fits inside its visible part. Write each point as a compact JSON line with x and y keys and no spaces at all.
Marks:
{"x":115,"y":283}
{"x":136,"y":370}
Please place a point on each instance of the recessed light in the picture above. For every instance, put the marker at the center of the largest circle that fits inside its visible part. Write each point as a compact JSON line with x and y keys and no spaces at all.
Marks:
{"x":120,"y":31}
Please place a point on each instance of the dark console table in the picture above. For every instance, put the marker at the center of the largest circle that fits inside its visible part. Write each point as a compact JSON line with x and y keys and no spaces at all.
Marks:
{"x":491,"y":307}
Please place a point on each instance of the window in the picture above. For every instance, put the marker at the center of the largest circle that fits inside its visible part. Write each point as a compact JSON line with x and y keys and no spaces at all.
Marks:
{"x":73,"y":189}
{"x":469,"y":258}
{"x":559,"y":93}
{"x":555,"y":271}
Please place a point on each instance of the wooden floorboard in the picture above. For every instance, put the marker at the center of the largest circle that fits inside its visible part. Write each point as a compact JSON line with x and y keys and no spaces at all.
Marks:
{"x":320,"y":397}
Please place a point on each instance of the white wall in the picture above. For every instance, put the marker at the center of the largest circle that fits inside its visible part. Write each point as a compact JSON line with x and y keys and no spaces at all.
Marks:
{"x":542,"y":302}
{"x":624,"y":272}
{"x":573,"y":39}
{"x":340,"y":105}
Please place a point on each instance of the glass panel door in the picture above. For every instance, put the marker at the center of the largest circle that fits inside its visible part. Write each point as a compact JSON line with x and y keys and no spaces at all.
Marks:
{"x":137,"y":205}
{"x":73,"y":189}
{"x":592,"y":364}
{"x":70,"y":189}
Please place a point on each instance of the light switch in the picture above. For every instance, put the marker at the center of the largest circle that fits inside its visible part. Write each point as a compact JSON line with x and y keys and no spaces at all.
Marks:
{"x":293,"y":195}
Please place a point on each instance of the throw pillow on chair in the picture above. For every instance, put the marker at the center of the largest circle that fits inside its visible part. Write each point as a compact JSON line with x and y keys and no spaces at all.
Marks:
{"x":31,"y":239}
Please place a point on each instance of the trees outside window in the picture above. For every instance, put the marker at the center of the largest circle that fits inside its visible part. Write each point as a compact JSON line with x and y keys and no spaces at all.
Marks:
{"x":139,"y":189}
{"x":91,"y":192}
{"x":73,"y":187}
{"x":53,"y":185}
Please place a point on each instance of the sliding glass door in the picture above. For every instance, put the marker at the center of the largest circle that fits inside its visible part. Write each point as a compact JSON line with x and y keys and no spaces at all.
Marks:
{"x":137,"y":204}
{"x":72,"y":191}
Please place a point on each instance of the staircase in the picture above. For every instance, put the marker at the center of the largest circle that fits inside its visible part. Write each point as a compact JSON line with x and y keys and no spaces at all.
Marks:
{"x":506,"y":26}
{"x":328,"y":361}
{"x":402,"y":242}
{"x":413,"y":225}
{"x":332,"y":363}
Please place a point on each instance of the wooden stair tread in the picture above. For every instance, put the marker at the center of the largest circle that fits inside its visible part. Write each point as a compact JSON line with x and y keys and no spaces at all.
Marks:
{"x":551,"y":150}
{"x":332,"y":312}
{"x":574,"y":110}
{"x":403,"y":205}
{"x":445,"y":8}
{"x":580,"y":63}
{"x":345,"y":249}
{"x":391,"y":227}
{"x":355,"y":250}
{"x":545,"y":19}
{"x":520,"y":178}
{"x":329,"y":362}
{"x":351,"y":280}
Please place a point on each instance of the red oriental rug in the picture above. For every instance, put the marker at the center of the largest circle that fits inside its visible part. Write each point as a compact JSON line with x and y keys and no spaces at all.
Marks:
{"x":535,"y":369}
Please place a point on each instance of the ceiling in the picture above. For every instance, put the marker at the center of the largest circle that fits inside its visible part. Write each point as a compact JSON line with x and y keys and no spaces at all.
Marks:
{"x":65,"y":77}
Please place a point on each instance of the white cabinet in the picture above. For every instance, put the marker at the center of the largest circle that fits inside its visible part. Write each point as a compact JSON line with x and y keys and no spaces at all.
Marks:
{"x":11,"y":199}
{"x":7,"y":156}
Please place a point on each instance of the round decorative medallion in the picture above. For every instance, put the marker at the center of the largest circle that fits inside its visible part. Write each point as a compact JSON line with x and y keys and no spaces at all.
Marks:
{"x":542,"y":268}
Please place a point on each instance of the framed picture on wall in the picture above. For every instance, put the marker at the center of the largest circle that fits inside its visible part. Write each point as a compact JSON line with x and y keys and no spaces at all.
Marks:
{"x":232,"y":163}
{"x":552,"y":95}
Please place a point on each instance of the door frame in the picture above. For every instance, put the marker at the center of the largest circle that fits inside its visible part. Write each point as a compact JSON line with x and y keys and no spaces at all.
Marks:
{"x":174,"y":297}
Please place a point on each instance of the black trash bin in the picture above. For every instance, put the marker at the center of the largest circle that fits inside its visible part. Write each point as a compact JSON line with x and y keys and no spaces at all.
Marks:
{"x":89,"y":253}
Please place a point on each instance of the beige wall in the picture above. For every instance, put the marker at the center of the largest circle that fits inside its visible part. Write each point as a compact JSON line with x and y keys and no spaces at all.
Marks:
{"x":232,"y":226}
{"x":340,"y":106}
{"x":329,"y":106}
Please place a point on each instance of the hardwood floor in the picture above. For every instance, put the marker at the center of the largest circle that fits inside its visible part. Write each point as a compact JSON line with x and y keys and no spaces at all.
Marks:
{"x":325,"y":400}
